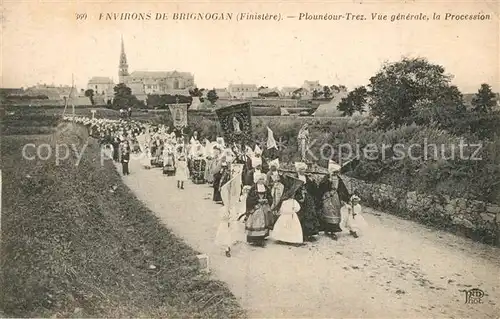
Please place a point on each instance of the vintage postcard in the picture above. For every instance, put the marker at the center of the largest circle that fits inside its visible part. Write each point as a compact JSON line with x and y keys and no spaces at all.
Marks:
{"x":266,"y":159}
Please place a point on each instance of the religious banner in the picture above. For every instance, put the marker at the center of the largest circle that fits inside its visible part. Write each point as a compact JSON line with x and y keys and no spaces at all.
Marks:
{"x":236,"y":122}
{"x":179,"y":114}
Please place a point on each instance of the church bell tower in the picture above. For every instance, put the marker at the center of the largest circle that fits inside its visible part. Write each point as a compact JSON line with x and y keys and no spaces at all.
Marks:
{"x":123,"y":67}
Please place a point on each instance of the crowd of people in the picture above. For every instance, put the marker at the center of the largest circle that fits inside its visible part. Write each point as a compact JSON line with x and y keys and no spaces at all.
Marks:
{"x":290,"y":207}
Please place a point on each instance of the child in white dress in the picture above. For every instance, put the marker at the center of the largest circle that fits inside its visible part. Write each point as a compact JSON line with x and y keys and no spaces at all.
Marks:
{"x":181,"y":169}
{"x":287,"y":228}
{"x":146,"y":158}
{"x":351,"y":218}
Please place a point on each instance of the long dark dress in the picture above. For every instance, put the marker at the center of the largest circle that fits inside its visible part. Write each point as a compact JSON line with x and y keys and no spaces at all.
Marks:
{"x":125,"y":157}
{"x":308,"y":216}
{"x":247,"y":173}
{"x":220,"y":178}
{"x":329,"y":204}
{"x":258,"y":208}
{"x":116,"y":150}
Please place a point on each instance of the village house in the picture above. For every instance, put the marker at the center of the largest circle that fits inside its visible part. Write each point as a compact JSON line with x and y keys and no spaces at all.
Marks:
{"x":310,"y":86}
{"x":101,"y":85}
{"x":243,"y":91}
{"x":287,"y":91}
{"x":53,"y":92}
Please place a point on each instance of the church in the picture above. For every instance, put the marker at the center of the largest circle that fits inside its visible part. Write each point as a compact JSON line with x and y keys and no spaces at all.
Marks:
{"x":143,"y":83}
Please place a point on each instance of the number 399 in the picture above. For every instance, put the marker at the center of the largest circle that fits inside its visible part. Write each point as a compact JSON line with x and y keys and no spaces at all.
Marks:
{"x":81,"y":16}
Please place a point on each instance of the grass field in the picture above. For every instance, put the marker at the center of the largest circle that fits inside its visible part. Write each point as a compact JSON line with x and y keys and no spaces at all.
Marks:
{"x":72,"y":247}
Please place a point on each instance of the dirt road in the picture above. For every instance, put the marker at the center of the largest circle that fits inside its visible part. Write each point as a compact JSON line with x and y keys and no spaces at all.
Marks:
{"x":395,"y":269}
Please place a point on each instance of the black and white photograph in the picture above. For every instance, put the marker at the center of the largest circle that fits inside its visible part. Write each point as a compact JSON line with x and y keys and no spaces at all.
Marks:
{"x":269,"y":159}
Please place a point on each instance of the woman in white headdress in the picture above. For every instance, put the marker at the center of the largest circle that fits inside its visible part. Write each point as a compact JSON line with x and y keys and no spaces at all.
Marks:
{"x":221,"y":177}
{"x":287,"y":228}
{"x":273,"y":181}
{"x":332,"y":194}
{"x":305,"y":195}
{"x":258,"y":206}
{"x":199,"y":164}
{"x":194,"y":138}
{"x":220,"y":141}
{"x":208,"y":156}
{"x":218,"y":155}
{"x":256,"y":169}
{"x":169,"y":161}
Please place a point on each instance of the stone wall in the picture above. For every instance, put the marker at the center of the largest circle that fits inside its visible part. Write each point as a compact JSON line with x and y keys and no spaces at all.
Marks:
{"x":471,"y":218}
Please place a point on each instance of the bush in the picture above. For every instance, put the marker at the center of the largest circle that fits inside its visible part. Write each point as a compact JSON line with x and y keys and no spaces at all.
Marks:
{"x":266,"y":111}
{"x":479,"y":125}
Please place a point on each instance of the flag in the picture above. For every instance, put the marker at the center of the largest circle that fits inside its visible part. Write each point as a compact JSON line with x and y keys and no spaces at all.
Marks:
{"x":236,"y":122}
{"x":179,"y":114}
{"x":230,"y":192}
{"x":349,"y":166}
{"x":342,"y":191}
{"x":271,"y":142}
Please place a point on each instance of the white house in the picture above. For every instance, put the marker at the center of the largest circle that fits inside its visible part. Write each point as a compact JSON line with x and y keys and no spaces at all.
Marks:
{"x":243,"y":91}
{"x":100,"y":85}
{"x":312,"y":85}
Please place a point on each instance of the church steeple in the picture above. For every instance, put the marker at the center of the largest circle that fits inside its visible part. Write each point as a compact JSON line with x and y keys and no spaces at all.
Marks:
{"x":123,"y":67}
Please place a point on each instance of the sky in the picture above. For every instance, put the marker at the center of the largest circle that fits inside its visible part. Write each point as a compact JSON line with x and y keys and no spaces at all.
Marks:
{"x":43,"y":42}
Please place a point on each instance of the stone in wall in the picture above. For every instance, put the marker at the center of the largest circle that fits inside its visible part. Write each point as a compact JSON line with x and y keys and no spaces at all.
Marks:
{"x":494,"y":209}
{"x":471,"y":214}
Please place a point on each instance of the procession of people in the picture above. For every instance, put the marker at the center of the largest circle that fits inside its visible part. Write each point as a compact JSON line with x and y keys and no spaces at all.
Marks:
{"x":257,"y":199}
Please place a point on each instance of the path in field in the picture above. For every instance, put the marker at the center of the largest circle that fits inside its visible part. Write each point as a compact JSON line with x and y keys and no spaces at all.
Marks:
{"x":396,"y":269}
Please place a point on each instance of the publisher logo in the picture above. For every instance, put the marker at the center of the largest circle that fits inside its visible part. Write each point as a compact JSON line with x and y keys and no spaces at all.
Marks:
{"x":473,"y":296}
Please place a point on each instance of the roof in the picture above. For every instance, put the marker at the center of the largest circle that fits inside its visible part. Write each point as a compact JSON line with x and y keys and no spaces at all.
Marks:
{"x":289,"y":89}
{"x":12,"y":90}
{"x":100,"y":80}
{"x":231,"y":105}
{"x":330,"y":108}
{"x":159,"y":74}
{"x":253,"y":86}
{"x":269,"y":90}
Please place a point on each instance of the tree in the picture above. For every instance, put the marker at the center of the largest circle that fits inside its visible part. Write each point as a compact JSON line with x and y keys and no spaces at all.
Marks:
{"x":212,"y":96}
{"x":123,"y":98}
{"x":334,"y":89}
{"x":269,"y":94}
{"x":354,"y":101}
{"x":316,"y":94}
{"x":484,"y":100}
{"x":196,"y":92}
{"x":327,"y":93}
{"x":397,"y":87}
{"x":297,"y":94}
{"x":90,"y":94}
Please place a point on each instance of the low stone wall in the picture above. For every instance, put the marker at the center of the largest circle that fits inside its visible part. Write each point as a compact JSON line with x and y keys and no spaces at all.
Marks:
{"x":471,"y":218}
